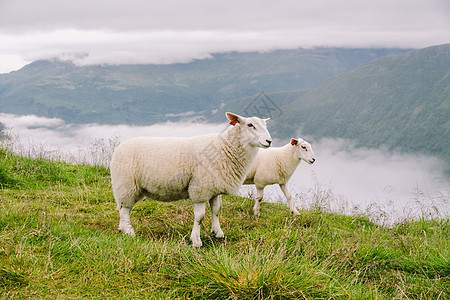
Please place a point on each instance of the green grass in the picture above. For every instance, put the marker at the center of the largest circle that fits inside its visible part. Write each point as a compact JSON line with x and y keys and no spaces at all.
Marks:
{"x":59,"y":240}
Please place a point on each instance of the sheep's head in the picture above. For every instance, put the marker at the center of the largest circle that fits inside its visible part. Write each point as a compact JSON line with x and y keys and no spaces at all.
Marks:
{"x":253,"y":130}
{"x":303,"y":150}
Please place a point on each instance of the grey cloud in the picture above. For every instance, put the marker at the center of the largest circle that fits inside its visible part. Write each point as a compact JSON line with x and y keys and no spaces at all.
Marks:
{"x":250,"y":15}
{"x":117,"y":32}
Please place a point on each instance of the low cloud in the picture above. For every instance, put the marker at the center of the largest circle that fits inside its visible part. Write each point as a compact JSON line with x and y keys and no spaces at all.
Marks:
{"x":96,"y":47}
{"x":30,"y":121}
{"x":387,"y":185}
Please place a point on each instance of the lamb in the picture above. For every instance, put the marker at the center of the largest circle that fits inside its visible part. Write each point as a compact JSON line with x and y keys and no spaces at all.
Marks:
{"x":199,"y":168}
{"x":276,"y":166}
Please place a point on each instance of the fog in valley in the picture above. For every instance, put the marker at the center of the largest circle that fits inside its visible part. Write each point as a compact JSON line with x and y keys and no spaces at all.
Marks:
{"x":387,"y":186}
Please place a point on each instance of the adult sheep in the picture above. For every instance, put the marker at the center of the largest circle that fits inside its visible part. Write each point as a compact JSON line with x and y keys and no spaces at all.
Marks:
{"x":276,"y":166}
{"x":199,"y":168}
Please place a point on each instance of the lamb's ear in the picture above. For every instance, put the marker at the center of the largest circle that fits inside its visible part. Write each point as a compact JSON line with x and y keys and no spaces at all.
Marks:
{"x":265,"y":120}
{"x":233,"y":118}
{"x":294,"y":142}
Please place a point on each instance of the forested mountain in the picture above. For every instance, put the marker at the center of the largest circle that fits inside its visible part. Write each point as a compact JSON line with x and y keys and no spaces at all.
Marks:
{"x":400,"y":101}
{"x":145,"y":94}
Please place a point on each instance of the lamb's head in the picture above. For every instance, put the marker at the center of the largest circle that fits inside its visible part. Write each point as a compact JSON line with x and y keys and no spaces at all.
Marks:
{"x":253,"y":130}
{"x":303,"y":150}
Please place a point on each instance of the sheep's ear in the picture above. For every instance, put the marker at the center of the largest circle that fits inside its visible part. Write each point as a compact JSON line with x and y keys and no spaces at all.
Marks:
{"x":233,"y":118}
{"x":265,"y":120}
{"x":294,"y":142}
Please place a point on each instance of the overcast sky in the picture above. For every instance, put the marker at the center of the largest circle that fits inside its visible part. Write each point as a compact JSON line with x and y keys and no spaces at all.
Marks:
{"x":134,"y":31}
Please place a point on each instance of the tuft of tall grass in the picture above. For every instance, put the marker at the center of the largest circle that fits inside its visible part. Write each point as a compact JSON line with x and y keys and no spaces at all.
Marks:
{"x":11,"y":276}
{"x":255,"y":272}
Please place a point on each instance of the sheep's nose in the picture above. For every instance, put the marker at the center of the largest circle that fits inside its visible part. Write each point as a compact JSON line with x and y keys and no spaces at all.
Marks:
{"x":269,"y":142}
{"x":313,"y":159}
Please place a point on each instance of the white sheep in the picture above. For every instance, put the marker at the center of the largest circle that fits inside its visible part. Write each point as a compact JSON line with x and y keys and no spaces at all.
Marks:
{"x":276,"y":166}
{"x":199,"y":168}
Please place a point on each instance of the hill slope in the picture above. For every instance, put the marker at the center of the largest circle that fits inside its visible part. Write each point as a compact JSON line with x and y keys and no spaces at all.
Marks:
{"x":58,"y":225}
{"x":145,"y":94}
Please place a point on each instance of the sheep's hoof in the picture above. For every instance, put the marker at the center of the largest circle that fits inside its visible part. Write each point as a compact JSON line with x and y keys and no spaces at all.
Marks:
{"x":219,"y":234}
{"x":197,"y":244}
{"x":295,"y":212}
{"x":196,"y":241}
{"x":126,"y":229}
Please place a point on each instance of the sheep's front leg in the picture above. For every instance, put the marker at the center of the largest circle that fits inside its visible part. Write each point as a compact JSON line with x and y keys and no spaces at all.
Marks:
{"x":286,"y":192}
{"x":259,"y":197}
{"x":216,"y":205}
{"x":199,"y":213}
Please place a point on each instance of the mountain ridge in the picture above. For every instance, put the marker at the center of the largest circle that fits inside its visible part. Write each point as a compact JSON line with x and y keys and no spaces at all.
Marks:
{"x":145,"y":94}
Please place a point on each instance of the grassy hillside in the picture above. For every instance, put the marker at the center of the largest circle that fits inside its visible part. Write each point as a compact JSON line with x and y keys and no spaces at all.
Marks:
{"x":59,"y":240}
{"x":399,"y":101}
{"x":145,"y":94}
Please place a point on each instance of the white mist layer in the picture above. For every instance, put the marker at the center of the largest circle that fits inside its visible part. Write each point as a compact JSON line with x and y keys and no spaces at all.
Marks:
{"x":389,"y":187}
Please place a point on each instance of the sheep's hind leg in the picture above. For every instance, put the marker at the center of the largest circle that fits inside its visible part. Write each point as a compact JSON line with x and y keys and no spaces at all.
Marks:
{"x":199,"y":213}
{"x":286,"y":192}
{"x":259,"y":197}
{"x":125,"y":224}
{"x":216,"y":205}
{"x":125,"y":204}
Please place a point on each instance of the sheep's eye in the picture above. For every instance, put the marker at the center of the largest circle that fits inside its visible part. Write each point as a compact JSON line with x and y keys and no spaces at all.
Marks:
{"x":251,"y":125}
{"x":304,"y":148}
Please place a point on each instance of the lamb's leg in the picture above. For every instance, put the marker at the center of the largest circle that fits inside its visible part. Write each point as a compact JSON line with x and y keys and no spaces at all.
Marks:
{"x":259,"y":197}
{"x":216,"y":204}
{"x":286,"y":192}
{"x":125,"y":224}
{"x":199,"y":213}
